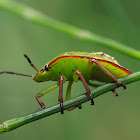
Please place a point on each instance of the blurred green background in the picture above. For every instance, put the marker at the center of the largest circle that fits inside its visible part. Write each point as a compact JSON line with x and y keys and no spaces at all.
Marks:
{"x":116,"y":118}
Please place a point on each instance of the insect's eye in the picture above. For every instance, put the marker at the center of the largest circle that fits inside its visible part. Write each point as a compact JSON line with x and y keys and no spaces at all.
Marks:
{"x":47,"y":68}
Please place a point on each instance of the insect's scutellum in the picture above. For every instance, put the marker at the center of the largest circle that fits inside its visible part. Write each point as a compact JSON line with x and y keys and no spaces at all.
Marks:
{"x":72,"y":66}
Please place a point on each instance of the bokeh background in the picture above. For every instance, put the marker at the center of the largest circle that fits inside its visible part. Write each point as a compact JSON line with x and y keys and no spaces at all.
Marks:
{"x":116,"y":118}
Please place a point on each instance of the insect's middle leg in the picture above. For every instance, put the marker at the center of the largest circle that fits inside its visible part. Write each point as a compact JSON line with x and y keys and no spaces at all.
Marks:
{"x":60,"y":98}
{"x":43,"y":92}
{"x":68,"y":95}
{"x":85,"y":85}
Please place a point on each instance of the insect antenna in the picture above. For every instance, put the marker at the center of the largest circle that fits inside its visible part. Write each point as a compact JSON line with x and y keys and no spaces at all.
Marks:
{"x":31,"y":62}
{"x":9,"y":72}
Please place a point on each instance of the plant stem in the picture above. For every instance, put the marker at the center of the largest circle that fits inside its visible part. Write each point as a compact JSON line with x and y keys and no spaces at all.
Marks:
{"x":17,"y":122}
{"x":39,"y":18}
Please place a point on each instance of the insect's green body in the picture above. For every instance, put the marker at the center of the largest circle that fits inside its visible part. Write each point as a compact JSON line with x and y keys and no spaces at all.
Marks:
{"x":72,"y":66}
{"x":67,"y":63}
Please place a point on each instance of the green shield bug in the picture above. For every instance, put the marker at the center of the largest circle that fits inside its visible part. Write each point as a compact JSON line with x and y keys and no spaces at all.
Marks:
{"x":74,"y":66}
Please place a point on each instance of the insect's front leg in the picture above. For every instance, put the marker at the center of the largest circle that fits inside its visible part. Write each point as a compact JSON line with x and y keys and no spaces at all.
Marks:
{"x":85,"y":85}
{"x":43,"y":92}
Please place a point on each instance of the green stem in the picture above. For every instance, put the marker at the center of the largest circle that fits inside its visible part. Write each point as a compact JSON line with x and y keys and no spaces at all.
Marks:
{"x":17,"y":122}
{"x":39,"y":18}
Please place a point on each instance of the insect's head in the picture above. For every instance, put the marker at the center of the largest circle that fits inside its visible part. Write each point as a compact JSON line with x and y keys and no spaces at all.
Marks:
{"x":43,"y":75}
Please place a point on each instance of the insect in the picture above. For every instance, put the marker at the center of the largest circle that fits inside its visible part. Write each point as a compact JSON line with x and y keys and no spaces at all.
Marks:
{"x":74,"y":66}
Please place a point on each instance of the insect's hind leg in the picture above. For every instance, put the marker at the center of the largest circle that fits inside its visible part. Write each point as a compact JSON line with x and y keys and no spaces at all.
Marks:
{"x":43,"y":92}
{"x":107,"y":72}
{"x":97,"y":85}
{"x":68,"y":95}
{"x":115,"y":93}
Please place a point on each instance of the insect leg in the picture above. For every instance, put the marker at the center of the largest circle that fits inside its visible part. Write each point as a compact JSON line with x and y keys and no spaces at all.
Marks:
{"x":107,"y":72}
{"x":68,"y":95}
{"x":43,"y":92}
{"x":40,"y":103}
{"x":115,"y":93}
{"x":60,"y":98}
{"x":97,"y":85}
{"x":86,"y":86}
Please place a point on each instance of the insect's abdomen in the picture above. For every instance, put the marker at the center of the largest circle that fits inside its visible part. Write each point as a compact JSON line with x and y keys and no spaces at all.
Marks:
{"x":116,"y":70}
{"x":68,"y":65}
